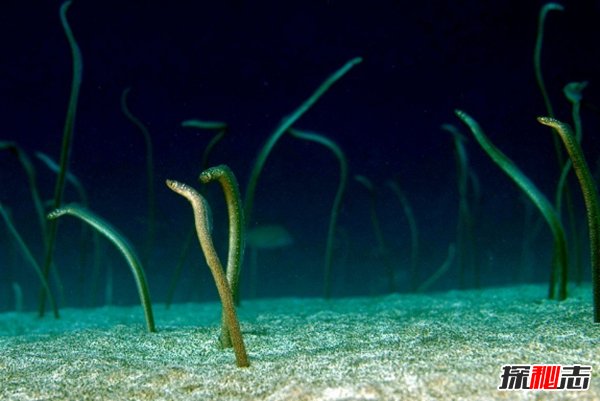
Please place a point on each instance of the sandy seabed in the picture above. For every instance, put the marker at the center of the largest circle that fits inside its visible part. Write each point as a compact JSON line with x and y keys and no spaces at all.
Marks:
{"x":442,"y":346}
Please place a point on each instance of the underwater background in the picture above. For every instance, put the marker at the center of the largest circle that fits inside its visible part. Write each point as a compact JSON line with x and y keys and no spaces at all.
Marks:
{"x":250,"y":64}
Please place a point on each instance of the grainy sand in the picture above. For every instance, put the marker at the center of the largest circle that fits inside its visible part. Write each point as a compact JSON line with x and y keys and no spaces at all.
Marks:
{"x":446,"y":346}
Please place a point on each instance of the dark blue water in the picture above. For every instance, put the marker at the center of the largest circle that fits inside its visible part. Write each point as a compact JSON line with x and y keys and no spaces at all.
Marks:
{"x":250,"y":64}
